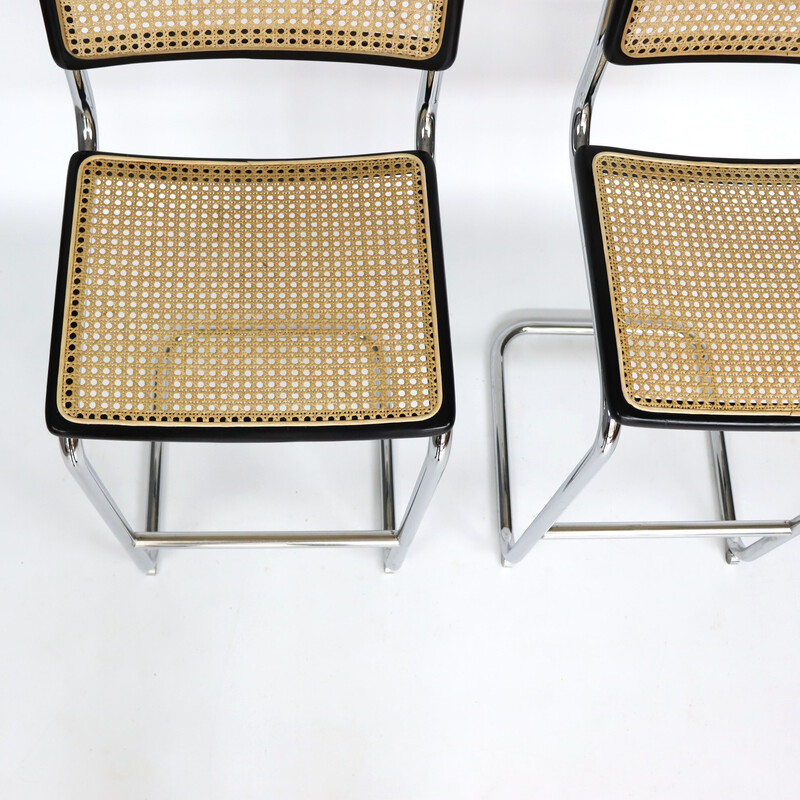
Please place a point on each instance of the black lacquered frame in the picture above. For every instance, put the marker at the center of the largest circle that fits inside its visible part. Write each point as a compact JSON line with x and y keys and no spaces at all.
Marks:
{"x":617,"y":22}
{"x":605,"y":329}
{"x":442,"y":59}
{"x":441,"y":422}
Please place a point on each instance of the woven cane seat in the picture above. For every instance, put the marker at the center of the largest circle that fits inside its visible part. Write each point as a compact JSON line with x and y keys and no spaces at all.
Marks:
{"x":251,"y":295}
{"x":690,"y":29}
{"x":701,"y":261}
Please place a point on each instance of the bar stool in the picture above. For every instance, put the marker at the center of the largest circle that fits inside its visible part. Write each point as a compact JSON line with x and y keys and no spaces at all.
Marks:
{"x":694,"y":275}
{"x":221,"y":300}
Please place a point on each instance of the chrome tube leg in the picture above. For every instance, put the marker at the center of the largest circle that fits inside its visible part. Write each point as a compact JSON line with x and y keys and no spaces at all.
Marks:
{"x":501,"y":432}
{"x":387,"y":486}
{"x":85,"y":114}
{"x":766,"y":544}
{"x":550,"y":323}
{"x":429,"y":476}
{"x":722,"y":479}
{"x":427,"y":108}
{"x":154,"y":486}
{"x":78,"y":464}
{"x":597,"y":455}
{"x":722,"y":475}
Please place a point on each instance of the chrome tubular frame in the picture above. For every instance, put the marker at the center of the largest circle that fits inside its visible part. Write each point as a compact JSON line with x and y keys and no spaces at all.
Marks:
{"x":387,"y":485}
{"x":143,"y":546}
{"x":772,"y":533}
{"x":85,"y":115}
{"x":593,"y":69}
{"x":83,"y":472}
{"x":430,"y":85}
{"x":432,"y":469}
{"x":545,"y":525}
{"x":154,"y":485}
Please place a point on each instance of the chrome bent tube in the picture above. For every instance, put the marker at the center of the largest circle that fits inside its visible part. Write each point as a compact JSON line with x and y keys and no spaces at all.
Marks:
{"x":738,"y":551}
{"x":565,"y":322}
{"x":595,"y":458}
{"x":429,"y":477}
{"x":427,"y":107}
{"x":722,"y":475}
{"x":85,"y":115}
{"x":387,"y":485}
{"x":79,"y":465}
{"x":771,"y":533}
{"x":154,"y":485}
{"x":722,"y":481}
{"x":581,"y":120}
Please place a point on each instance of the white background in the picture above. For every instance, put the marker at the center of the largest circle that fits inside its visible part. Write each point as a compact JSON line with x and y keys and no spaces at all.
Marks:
{"x":591,"y":670}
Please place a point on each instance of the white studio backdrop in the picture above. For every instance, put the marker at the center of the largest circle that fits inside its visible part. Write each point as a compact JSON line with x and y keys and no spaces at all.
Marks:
{"x":592,"y":670}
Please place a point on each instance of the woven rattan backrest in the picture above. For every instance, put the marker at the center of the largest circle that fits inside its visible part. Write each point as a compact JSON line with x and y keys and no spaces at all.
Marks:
{"x":415,"y":33}
{"x":655,"y":30}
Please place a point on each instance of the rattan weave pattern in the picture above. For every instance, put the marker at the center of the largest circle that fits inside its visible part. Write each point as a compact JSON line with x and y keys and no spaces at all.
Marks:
{"x":405,"y":29}
{"x":250,"y":293}
{"x":692,"y":28}
{"x":703,"y":262}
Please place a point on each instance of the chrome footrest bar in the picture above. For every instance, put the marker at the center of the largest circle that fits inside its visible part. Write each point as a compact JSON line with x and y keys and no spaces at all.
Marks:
{"x":667,"y":530}
{"x":240,"y":539}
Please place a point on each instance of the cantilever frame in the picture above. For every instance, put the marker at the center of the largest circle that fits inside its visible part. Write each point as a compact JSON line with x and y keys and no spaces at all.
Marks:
{"x":771,"y":533}
{"x":545,"y":526}
{"x":143,"y":546}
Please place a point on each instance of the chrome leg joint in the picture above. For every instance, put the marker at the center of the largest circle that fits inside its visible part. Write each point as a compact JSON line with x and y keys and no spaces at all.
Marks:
{"x":770,"y":533}
{"x":568,"y":322}
{"x":595,"y":458}
{"x":739,"y":552}
{"x":593,"y":69}
{"x":427,"y":109}
{"x":81,"y":469}
{"x":85,"y":114}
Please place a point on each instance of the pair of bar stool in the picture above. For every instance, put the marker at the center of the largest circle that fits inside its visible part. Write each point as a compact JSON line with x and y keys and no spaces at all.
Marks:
{"x":304,"y":300}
